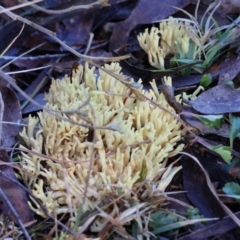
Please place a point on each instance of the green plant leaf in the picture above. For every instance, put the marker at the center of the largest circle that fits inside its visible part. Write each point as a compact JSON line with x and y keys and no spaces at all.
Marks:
{"x":232,"y":189}
{"x":160,"y":219}
{"x":211,"y":120}
{"x":223,"y":151}
{"x":206,"y":80}
{"x":193,"y":213}
{"x":177,"y":225}
{"x":234,"y":128}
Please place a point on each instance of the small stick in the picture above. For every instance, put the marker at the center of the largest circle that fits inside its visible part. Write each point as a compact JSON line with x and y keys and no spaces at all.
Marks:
{"x":72,"y":8}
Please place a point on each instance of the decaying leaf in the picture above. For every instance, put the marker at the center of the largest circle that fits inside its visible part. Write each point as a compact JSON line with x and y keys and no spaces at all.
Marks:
{"x":12,"y":114}
{"x":217,"y":100}
{"x":15,"y":194}
{"x":198,"y":191}
{"x":230,"y":6}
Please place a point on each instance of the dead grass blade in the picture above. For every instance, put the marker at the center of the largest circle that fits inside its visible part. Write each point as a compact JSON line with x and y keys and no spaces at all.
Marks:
{"x":11,"y":43}
{"x":20,"y":6}
{"x":23,"y":54}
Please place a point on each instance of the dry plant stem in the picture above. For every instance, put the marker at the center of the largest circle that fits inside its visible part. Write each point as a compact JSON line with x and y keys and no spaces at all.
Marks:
{"x":87,"y":6}
{"x":16,"y":58}
{"x":13,"y":211}
{"x":89,"y":43}
{"x":53,"y":35}
{"x":28,"y":70}
{"x":21,"y":6}
{"x":46,"y":56}
{"x":225,"y":208}
{"x":196,"y":9}
{"x":11,"y":43}
{"x":38,"y":202}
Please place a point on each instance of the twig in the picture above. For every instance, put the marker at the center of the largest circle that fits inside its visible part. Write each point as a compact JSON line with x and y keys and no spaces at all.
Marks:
{"x":11,"y":43}
{"x":72,"y":8}
{"x":27,"y":70}
{"x":89,"y":43}
{"x":16,"y":58}
{"x":34,"y":57}
{"x":20,"y":6}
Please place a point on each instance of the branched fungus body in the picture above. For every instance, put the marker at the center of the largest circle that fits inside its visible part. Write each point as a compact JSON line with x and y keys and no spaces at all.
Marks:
{"x":172,"y":37}
{"x":77,"y":141}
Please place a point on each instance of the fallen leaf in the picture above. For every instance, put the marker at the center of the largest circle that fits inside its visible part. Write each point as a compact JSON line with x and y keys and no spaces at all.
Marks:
{"x":76,"y":30}
{"x":230,"y":6}
{"x":223,"y":151}
{"x":198,"y":191}
{"x":12,"y":114}
{"x":231,"y":68}
{"x":217,"y":100}
{"x":15,"y":194}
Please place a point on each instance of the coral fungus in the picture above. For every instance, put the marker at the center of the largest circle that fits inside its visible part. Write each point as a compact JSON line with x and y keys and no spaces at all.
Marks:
{"x":172,"y":37}
{"x":100,"y":125}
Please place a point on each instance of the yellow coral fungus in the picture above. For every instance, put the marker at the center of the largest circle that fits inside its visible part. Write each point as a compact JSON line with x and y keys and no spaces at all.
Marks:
{"x":171,"y":37}
{"x":144,"y":138}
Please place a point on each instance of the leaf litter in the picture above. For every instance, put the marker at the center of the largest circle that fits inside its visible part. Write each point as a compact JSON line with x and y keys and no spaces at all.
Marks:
{"x":206,"y":171}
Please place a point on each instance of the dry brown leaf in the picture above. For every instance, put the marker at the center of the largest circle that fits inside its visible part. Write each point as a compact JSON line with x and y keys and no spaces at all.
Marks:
{"x":230,"y":6}
{"x":15,"y":194}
